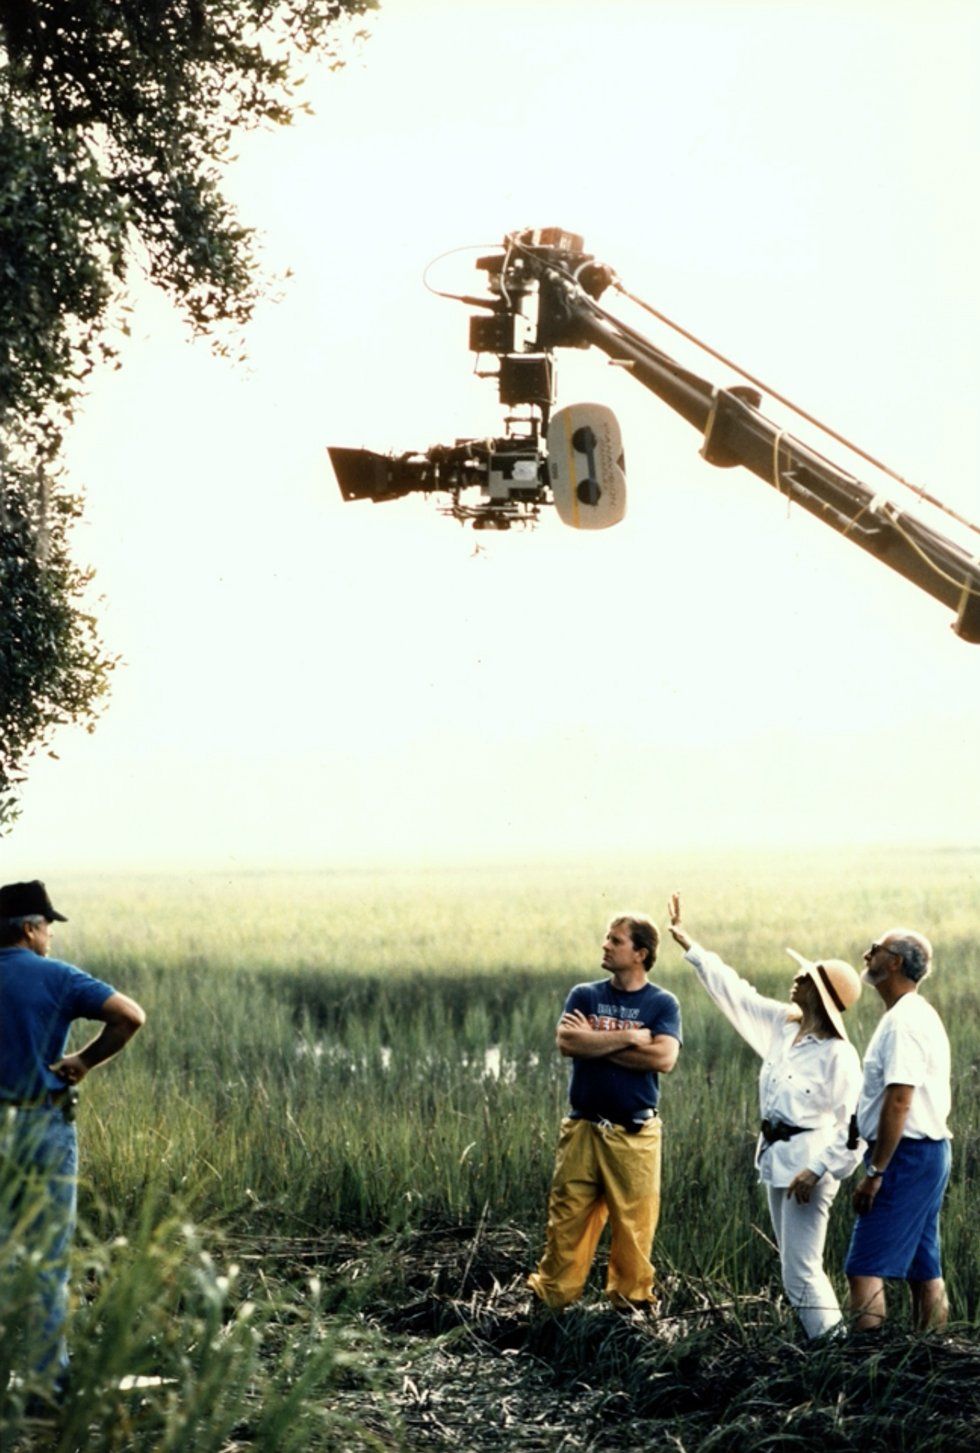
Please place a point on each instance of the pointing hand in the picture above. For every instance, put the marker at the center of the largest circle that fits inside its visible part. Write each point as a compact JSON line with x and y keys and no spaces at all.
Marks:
{"x":674,"y":914}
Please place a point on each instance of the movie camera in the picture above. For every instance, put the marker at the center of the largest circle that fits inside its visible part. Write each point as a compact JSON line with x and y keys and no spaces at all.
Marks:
{"x":572,"y":459}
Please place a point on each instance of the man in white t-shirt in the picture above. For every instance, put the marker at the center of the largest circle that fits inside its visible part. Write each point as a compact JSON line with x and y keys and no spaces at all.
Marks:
{"x":902,"y":1114}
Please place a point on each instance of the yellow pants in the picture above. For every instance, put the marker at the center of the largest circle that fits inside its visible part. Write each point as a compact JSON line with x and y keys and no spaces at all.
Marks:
{"x":601,"y":1174}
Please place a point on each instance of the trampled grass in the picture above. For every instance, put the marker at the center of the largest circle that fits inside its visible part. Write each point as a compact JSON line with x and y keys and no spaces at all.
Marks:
{"x":373,"y":1053}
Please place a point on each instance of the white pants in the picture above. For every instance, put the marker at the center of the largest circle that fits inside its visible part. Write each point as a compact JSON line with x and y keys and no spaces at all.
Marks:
{"x":801,"y":1230}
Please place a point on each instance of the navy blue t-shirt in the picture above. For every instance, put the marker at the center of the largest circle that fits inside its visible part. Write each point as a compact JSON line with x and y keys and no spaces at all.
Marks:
{"x":599,"y":1087}
{"x":39,"y":998}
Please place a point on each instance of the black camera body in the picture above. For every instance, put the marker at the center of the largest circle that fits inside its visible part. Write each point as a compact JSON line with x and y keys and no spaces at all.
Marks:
{"x":524,"y":323}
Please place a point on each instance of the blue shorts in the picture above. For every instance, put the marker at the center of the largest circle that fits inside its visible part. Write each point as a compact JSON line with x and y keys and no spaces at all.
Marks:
{"x":899,"y":1236}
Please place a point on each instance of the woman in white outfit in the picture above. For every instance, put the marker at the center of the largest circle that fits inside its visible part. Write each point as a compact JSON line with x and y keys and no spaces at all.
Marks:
{"x":808,"y":1089}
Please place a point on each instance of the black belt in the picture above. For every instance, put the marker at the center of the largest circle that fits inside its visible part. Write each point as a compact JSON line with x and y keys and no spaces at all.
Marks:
{"x":632,"y":1128}
{"x":773,"y":1130}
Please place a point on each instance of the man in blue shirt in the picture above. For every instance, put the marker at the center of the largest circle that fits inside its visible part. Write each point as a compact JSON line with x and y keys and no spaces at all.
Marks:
{"x":621,"y":1034}
{"x":39,"y":998}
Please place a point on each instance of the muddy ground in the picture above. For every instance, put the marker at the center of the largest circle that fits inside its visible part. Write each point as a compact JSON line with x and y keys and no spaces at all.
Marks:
{"x":466,"y":1360}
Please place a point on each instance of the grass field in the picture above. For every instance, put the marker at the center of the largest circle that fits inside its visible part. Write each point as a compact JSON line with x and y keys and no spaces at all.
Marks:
{"x":358,"y":1059}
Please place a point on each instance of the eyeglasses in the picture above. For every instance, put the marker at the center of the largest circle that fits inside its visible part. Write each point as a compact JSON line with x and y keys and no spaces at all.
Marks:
{"x":876,"y":946}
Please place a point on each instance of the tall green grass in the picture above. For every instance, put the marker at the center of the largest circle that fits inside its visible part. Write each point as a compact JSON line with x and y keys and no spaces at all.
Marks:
{"x":315,"y":1054}
{"x":362,"y":1053}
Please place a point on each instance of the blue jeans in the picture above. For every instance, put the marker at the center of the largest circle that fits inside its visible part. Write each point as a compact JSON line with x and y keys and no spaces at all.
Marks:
{"x":38,"y":1187}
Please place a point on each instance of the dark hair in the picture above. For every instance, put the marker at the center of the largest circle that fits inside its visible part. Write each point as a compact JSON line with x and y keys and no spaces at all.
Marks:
{"x":819,"y":1008}
{"x":644,"y":934}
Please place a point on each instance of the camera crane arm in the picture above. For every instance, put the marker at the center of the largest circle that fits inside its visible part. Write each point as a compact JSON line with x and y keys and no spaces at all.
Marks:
{"x":735,"y":432}
{"x":544,"y":295}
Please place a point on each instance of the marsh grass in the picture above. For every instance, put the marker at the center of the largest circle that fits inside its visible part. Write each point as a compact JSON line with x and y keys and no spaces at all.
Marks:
{"x":316,"y":1047}
{"x":316,"y":1063}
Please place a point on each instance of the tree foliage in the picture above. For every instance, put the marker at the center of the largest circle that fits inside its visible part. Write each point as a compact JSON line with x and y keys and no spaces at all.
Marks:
{"x":117,"y":118}
{"x":53,"y":669}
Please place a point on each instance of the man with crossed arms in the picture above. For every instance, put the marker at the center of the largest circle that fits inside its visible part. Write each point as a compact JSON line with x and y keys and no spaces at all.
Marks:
{"x":621,"y":1034}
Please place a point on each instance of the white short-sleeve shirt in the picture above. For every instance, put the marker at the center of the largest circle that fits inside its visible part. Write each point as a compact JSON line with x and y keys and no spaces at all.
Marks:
{"x":909,"y":1047}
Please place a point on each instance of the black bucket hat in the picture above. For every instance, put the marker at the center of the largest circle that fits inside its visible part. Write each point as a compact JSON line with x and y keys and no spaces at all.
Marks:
{"x":22,"y":900}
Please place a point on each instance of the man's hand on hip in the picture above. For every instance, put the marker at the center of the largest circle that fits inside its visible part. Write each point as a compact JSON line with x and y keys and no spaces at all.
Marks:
{"x":71,"y":1069}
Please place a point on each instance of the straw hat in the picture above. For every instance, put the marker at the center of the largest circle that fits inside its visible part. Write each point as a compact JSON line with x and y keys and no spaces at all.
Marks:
{"x":837,"y":984}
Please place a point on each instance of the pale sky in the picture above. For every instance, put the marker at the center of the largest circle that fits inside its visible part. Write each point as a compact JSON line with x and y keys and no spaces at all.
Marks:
{"x":309,"y":682}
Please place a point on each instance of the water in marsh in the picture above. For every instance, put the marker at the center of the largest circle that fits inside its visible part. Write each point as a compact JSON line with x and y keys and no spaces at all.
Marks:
{"x":490,"y":1061}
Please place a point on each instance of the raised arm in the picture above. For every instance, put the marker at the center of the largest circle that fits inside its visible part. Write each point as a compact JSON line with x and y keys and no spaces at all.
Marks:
{"x":751,"y":1013}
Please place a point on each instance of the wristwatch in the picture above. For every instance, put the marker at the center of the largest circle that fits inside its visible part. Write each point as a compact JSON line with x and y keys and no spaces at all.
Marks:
{"x":873,"y":1172}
